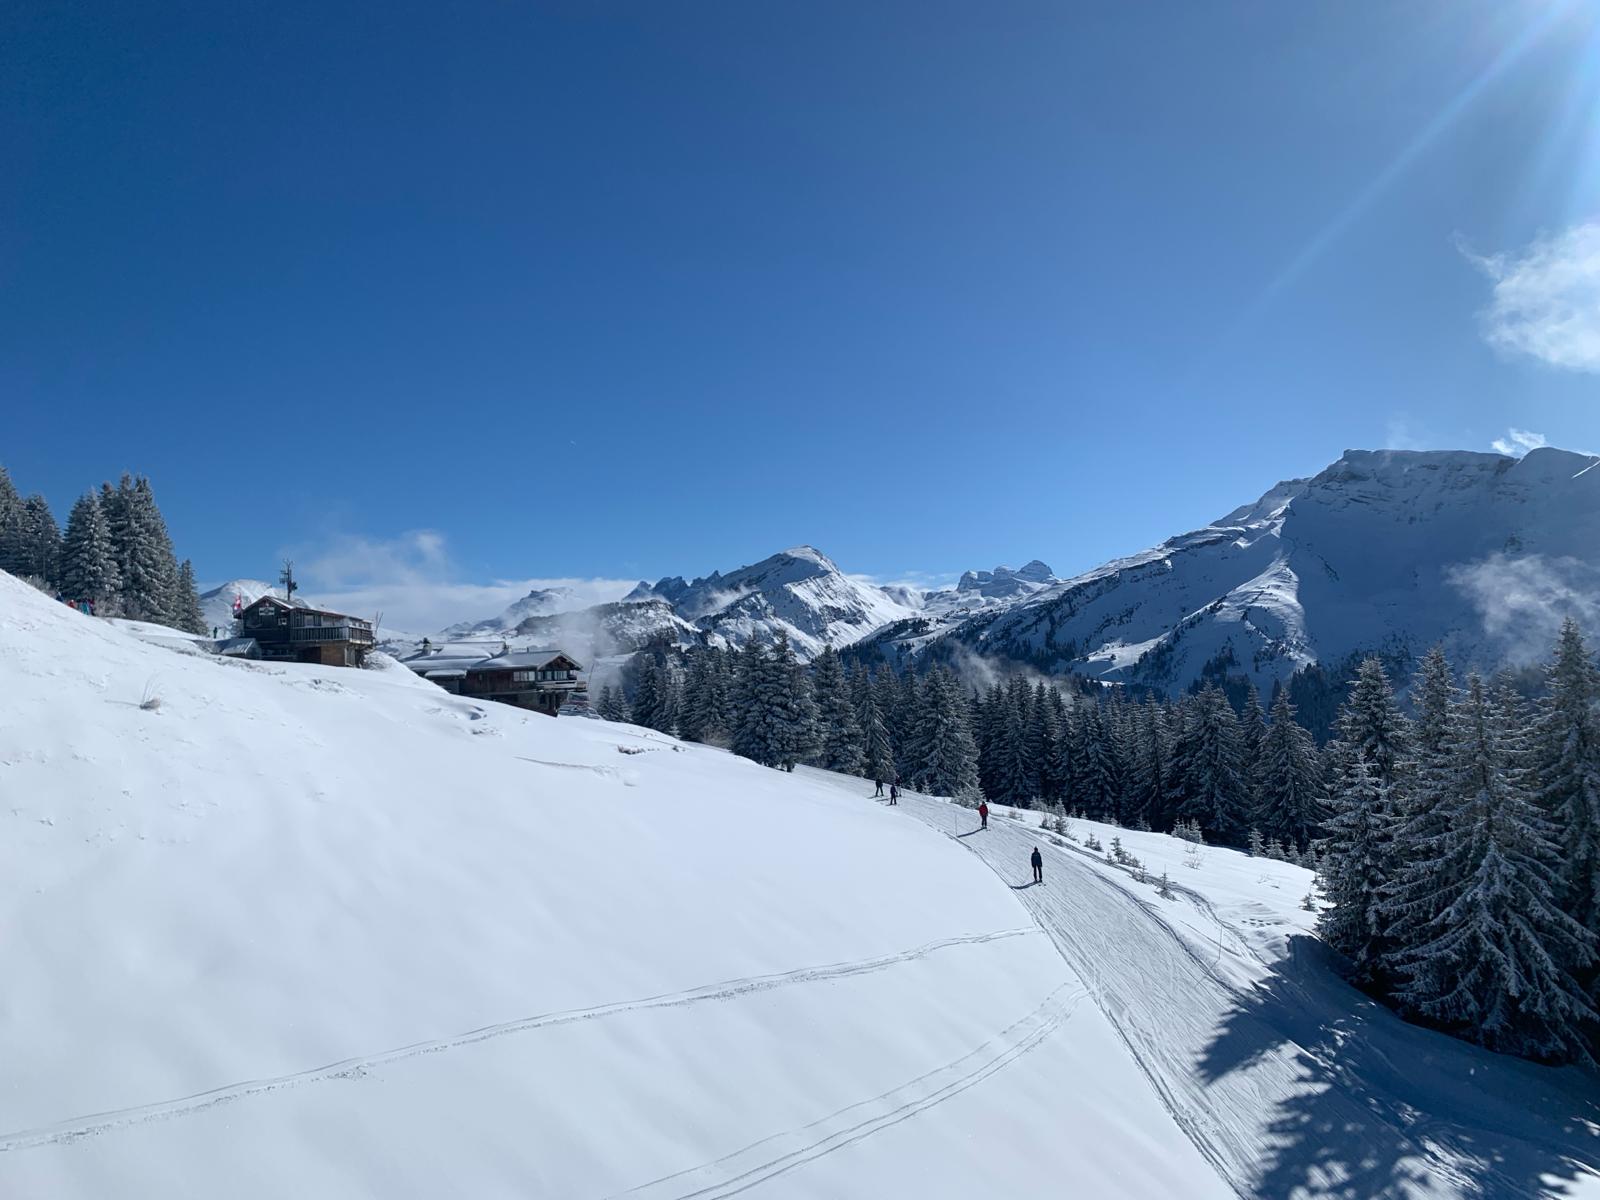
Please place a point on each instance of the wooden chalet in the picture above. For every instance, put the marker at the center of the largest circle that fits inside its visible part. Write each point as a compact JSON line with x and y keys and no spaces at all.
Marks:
{"x":541,"y":680}
{"x":288,"y":632}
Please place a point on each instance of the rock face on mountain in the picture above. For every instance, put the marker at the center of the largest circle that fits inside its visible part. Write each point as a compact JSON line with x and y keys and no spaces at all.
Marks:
{"x":1386,"y":551}
{"x":800,"y":592}
{"x":540,"y":602}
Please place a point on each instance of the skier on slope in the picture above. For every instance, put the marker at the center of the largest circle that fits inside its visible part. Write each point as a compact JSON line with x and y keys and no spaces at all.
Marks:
{"x":1037,"y":860}
{"x":878,"y":785}
{"x":983,"y":812}
{"x":894,"y":793}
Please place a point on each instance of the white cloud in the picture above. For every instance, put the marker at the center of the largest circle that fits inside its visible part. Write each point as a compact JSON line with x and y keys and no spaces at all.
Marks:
{"x":413,"y":582}
{"x":1518,"y":442}
{"x":1402,"y":434}
{"x":1546,"y":301}
{"x":1522,"y":601}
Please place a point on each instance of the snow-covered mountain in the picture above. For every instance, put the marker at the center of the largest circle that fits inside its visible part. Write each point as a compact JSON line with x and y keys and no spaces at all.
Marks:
{"x":800,"y":592}
{"x":1384,"y":551}
{"x":540,"y":602}
{"x":216,"y":605}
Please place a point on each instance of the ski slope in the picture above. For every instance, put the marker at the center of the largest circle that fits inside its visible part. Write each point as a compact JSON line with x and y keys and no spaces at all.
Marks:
{"x":296,"y":930}
{"x":1289,"y":1082}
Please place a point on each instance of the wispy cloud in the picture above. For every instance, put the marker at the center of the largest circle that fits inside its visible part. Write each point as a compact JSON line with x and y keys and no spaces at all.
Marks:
{"x":1522,"y":601}
{"x":1402,"y":434}
{"x":413,"y":581}
{"x":1546,"y":300}
{"x":1518,"y":442}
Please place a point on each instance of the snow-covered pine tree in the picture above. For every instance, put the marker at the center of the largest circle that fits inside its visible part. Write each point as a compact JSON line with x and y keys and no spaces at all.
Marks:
{"x":1501,"y":967}
{"x":187,"y":596}
{"x":750,"y":721}
{"x":89,"y":565}
{"x":1371,"y":755}
{"x":1148,"y":769}
{"x":144,"y":551}
{"x":693,"y":725}
{"x":1289,"y":800}
{"x":1011,"y":775}
{"x":839,"y":738}
{"x":948,"y":756}
{"x":1252,"y":738}
{"x":1211,"y":766}
{"x":1355,"y":874}
{"x":877,"y":749}
{"x":653,"y":702}
{"x":885,"y":699}
{"x":1412,"y":900}
{"x":792,"y":720}
{"x":1566,"y":759}
{"x":612,"y":706}
{"x":38,"y":550}
{"x":1043,"y":729}
{"x":11,"y":539}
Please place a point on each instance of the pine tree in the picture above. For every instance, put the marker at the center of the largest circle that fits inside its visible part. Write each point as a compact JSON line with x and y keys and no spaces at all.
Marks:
{"x":878,"y":751}
{"x":1500,"y":968}
{"x":1374,"y":743}
{"x":89,"y":566}
{"x":1412,"y":900}
{"x":145,"y":560}
{"x":187,"y":597}
{"x":886,"y":699}
{"x":1252,"y":739}
{"x":839,"y":739}
{"x":792,"y":712}
{"x":1566,"y":756}
{"x":612,"y":705}
{"x":38,"y":543}
{"x":12,"y":552}
{"x":1289,"y":800}
{"x":652,"y":695}
{"x":946,"y":762}
{"x":1211,"y":767}
{"x":1012,"y":776}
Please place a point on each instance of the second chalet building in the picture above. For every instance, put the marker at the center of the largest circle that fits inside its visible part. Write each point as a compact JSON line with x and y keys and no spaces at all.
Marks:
{"x":294,"y":633}
{"x":540,"y":680}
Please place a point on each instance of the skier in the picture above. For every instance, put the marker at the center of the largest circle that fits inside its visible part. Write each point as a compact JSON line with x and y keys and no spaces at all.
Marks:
{"x":878,"y":784}
{"x":983,"y":812}
{"x":894,"y":793}
{"x":1037,"y":860}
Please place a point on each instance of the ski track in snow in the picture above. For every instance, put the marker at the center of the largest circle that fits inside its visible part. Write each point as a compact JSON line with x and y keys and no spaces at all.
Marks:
{"x":761,"y":1161}
{"x":1363,"y":1135}
{"x":94,"y":1124}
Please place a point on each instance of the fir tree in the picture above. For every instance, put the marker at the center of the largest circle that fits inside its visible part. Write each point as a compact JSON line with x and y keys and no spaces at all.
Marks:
{"x":652,"y":695}
{"x":187,"y":598}
{"x":1211,"y":767}
{"x":12,"y":552}
{"x":38,"y":543}
{"x":839,"y":739}
{"x":1500,"y":968}
{"x":947,"y":756}
{"x":793,"y":714}
{"x":1566,"y":756}
{"x":878,"y":751}
{"x":1289,"y":800}
{"x":89,"y":565}
{"x":612,"y":705}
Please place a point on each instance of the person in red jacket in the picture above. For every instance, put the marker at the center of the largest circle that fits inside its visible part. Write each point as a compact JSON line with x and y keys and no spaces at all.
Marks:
{"x":983,"y":812}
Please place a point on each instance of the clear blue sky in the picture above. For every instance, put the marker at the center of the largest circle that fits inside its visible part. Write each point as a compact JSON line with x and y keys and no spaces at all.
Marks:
{"x":626,"y":289}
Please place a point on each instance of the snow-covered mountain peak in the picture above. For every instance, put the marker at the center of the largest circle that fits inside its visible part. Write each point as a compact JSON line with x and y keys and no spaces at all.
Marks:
{"x":540,"y":602}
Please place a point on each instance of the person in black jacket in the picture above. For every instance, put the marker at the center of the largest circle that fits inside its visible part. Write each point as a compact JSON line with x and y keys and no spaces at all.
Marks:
{"x":1037,"y":860}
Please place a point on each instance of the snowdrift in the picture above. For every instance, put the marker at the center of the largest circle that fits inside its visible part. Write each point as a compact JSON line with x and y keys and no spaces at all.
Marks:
{"x":294,"y":930}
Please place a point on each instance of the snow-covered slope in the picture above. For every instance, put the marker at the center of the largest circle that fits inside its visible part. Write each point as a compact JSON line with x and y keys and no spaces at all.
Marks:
{"x":800,"y":592}
{"x":1383,"y":551}
{"x":306,"y":931}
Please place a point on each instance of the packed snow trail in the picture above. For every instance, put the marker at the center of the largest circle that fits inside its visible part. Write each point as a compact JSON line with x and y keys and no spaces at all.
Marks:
{"x":1298,"y":1087}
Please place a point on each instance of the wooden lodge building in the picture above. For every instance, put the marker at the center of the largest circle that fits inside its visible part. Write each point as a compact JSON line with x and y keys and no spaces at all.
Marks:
{"x":288,"y":632}
{"x":539,"y":680}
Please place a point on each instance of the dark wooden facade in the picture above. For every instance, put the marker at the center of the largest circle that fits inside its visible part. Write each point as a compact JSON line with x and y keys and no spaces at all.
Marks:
{"x":294,"y":633}
{"x":540,"y":680}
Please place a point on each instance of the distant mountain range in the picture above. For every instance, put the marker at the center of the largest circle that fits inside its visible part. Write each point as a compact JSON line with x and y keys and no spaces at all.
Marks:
{"x":1385,"y":551}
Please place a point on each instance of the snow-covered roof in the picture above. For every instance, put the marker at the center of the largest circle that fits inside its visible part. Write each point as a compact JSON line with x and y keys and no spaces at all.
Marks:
{"x":524,"y":660}
{"x":236,"y":645}
{"x":436,"y":663}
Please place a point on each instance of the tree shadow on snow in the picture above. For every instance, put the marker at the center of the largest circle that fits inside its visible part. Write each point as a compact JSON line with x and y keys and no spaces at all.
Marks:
{"x":969,"y":833}
{"x":1379,"y":1093}
{"x":1022,"y":887}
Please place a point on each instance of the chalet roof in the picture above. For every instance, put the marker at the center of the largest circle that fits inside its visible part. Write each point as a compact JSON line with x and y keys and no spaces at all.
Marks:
{"x":526,"y":660}
{"x":429,"y":664}
{"x":236,"y":646}
{"x":280,"y":602}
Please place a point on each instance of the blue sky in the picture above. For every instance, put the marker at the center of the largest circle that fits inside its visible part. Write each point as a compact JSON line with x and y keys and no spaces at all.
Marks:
{"x":446,"y":298}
